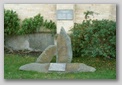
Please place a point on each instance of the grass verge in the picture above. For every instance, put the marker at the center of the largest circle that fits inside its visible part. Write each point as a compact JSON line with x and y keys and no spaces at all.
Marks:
{"x":105,"y":68}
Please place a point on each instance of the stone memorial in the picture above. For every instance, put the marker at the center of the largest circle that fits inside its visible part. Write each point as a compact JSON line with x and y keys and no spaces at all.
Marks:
{"x":64,"y":49}
{"x":62,"y":67}
{"x":43,"y":67}
{"x":63,"y":52}
{"x":47,"y":54}
{"x":57,"y":67}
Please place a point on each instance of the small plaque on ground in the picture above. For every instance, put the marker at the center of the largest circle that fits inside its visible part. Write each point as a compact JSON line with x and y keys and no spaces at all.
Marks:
{"x":57,"y":67}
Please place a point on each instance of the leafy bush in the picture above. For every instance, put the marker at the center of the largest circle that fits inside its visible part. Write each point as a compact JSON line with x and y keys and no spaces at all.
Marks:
{"x":50,"y":25}
{"x":31,"y":25}
{"x":11,"y":22}
{"x":94,"y":38}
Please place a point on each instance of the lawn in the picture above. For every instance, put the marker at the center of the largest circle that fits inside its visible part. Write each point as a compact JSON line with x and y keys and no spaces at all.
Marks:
{"x":105,"y":68}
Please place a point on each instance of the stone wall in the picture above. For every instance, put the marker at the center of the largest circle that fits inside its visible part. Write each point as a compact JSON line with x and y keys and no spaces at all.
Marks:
{"x":38,"y":41}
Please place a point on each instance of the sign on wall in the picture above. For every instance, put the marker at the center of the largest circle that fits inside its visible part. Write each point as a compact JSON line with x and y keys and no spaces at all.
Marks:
{"x":64,"y":14}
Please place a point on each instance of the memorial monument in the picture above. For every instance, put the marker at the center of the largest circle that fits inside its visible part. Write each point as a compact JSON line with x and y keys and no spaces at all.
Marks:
{"x":63,"y":52}
{"x":62,"y":49}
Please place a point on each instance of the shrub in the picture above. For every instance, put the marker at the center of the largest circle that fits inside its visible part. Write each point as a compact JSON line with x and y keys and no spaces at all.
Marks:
{"x":11,"y":22}
{"x":31,"y":25}
{"x":50,"y":25}
{"x":94,"y":38}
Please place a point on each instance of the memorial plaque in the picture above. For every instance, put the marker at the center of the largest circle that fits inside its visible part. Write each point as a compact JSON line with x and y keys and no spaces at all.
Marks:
{"x":64,"y":14}
{"x":57,"y":67}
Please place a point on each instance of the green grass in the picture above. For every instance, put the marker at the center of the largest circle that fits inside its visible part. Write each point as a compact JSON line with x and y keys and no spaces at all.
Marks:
{"x":105,"y":68}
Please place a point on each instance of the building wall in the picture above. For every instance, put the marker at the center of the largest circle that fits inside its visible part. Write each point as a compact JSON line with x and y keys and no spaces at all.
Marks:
{"x":66,"y":24}
{"x":102,"y":11}
{"x":105,"y":11}
{"x":30,"y":10}
{"x":48,"y":11}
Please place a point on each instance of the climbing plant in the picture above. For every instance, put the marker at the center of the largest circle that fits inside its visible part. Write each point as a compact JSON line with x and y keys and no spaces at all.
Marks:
{"x":89,"y":13}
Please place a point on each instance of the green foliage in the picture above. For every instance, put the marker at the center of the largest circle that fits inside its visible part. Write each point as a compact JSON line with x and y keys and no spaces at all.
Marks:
{"x":28,"y":25}
{"x":50,"y":25}
{"x":88,"y":13}
{"x":31,"y":25}
{"x":94,"y":38}
{"x":11,"y":22}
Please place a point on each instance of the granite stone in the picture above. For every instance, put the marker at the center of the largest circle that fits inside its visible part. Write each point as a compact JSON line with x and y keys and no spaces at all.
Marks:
{"x":47,"y":54}
{"x":64,"y":48}
{"x":62,"y":67}
{"x":43,"y":67}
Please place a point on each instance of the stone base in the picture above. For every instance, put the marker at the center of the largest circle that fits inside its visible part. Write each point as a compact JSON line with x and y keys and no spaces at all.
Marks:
{"x":70,"y":67}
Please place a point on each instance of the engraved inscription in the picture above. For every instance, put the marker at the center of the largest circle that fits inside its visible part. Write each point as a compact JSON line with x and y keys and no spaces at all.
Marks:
{"x":64,"y":14}
{"x":57,"y":67}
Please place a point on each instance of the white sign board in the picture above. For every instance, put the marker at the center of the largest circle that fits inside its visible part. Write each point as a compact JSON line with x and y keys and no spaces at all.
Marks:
{"x":64,"y":14}
{"x":57,"y":67}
